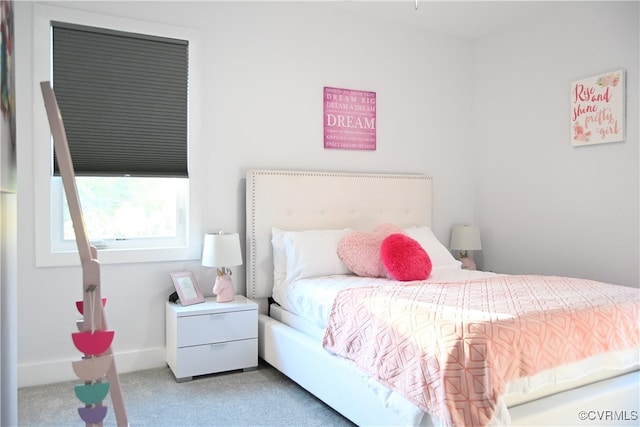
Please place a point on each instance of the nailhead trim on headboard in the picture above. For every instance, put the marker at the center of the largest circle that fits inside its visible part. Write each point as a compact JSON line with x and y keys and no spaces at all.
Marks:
{"x":298,"y":200}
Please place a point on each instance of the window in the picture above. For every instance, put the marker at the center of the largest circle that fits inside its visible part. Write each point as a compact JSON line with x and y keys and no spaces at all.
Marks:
{"x":123,"y":213}
{"x":130,"y":160}
{"x":123,"y":98}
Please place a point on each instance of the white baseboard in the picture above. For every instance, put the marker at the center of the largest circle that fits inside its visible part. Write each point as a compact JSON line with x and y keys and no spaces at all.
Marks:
{"x":61,"y":370}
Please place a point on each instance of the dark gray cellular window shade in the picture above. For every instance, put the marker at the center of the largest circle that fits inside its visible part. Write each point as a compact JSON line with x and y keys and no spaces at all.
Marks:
{"x":123,"y":100}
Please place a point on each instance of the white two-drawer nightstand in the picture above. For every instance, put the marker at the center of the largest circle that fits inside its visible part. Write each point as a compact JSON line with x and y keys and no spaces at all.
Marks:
{"x":211,"y":337}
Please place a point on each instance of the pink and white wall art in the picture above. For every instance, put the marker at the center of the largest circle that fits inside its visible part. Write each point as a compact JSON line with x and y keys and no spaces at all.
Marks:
{"x":349,"y":119}
{"x":598,"y":109}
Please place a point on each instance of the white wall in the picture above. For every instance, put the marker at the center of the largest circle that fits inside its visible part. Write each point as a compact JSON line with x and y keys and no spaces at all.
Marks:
{"x":264,"y":67}
{"x":543,"y":206}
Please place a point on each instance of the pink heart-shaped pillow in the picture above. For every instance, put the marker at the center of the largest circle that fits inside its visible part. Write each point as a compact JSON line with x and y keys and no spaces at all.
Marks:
{"x":404,"y":259}
{"x":360,"y":251}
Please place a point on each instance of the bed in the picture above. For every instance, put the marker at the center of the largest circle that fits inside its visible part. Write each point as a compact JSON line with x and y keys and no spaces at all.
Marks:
{"x":294,"y":324}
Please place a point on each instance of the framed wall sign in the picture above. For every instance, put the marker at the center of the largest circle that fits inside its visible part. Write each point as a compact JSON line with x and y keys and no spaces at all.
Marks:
{"x":598,"y":109}
{"x":187,"y":288}
{"x":349,"y":119}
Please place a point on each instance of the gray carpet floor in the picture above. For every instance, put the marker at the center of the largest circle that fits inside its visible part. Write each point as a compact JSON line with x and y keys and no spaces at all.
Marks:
{"x":262,"y":397}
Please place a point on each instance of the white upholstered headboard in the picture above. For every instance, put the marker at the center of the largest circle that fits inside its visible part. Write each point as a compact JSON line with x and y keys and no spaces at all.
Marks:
{"x":304,"y":200}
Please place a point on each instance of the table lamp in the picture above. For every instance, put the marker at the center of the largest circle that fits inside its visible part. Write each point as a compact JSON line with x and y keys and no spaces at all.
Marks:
{"x":222,"y":251}
{"x":465,"y":238}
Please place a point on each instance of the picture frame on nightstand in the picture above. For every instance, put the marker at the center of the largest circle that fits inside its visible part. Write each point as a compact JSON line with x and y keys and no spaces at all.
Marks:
{"x":187,"y":288}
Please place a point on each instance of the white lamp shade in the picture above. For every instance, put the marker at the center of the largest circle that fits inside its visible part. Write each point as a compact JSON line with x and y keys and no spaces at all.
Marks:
{"x":221,"y":250}
{"x":465,"y":238}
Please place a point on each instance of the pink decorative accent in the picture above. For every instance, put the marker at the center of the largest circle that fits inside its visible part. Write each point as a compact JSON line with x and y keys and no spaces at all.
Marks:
{"x":611,"y":79}
{"x":187,"y":287}
{"x":467,"y":263}
{"x":92,"y":414}
{"x":223,"y":288}
{"x":92,"y":343}
{"x":80,"y":305}
{"x":468,"y":339}
{"x":404,"y":258}
{"x":349,"y":119}
{"x":93,"y":368}
{"x":360,"y":251}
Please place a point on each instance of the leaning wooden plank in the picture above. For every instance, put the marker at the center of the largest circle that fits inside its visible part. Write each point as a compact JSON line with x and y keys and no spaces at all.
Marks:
{"x":93,"y":311}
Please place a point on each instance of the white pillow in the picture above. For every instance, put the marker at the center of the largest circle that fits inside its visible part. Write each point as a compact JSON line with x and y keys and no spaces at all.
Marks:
{"x":279,"y":257}
{"x":440,"y":256}
{"x":308,"y":253}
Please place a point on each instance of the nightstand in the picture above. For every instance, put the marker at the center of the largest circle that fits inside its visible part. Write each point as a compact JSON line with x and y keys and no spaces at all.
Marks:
{"x":211,"y":337}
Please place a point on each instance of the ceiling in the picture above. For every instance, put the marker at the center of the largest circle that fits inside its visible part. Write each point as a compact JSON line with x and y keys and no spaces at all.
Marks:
{"x":469,"y":19}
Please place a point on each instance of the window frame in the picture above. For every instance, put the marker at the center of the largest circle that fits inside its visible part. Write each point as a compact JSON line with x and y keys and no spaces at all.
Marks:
{"x":60,"y":244}
{"x":43,"y":149}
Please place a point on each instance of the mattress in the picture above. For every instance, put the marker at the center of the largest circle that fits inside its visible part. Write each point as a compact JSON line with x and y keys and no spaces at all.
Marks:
{"x":311,"y":298}
{"x":305,"y":305}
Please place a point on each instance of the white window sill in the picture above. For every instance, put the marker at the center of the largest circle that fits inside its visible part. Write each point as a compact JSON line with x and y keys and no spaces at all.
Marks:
{"x":119,"y":256}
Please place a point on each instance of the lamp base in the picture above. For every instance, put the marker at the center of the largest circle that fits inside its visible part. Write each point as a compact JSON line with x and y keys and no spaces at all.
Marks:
{"x":468,"y":263}
{"x":223,"y":288}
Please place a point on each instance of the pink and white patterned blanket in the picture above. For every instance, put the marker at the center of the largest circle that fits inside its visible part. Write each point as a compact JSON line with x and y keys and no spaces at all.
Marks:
{"x":450,"y":348}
